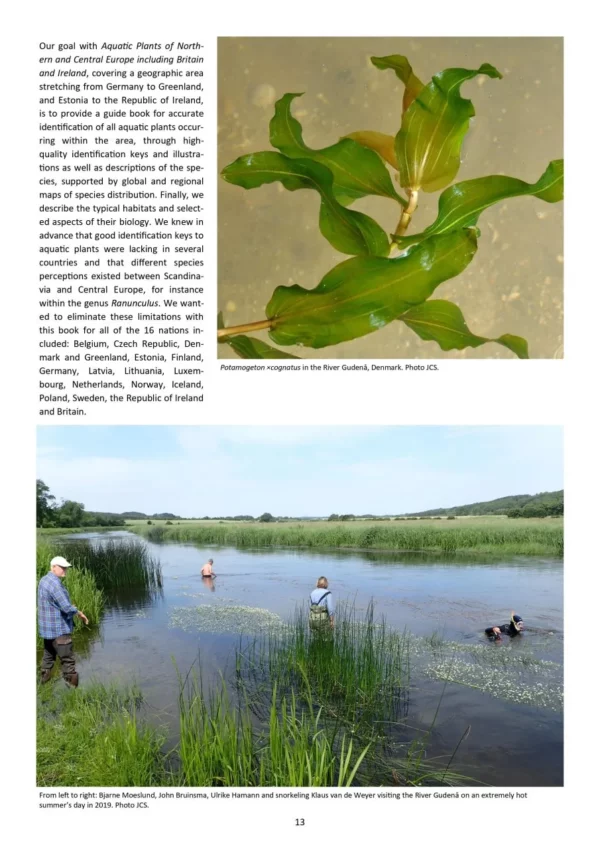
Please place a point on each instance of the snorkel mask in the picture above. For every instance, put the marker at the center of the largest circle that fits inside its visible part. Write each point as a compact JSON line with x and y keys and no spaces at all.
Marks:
{"x":517,"y":622}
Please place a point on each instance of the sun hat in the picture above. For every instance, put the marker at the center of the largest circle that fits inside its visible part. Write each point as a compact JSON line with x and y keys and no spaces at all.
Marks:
{"x":59,"y":561}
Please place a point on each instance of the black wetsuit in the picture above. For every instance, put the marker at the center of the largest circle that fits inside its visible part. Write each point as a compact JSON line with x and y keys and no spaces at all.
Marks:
{"x":504,"y":629}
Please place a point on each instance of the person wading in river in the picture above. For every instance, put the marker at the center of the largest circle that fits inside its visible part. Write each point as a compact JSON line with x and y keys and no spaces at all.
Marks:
{"x":322,"y":608}
{"x":55,"y":619}
{"x":207,"y":570}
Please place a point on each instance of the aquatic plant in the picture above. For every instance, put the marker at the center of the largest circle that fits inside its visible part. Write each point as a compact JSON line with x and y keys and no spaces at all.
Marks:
{"x":223,"y":619}
{"x":358,"y":673}
{"x":501,"y":536}
{"x":115,"y":563}
{"x":389,"y":278}
{"x":512,"y":673}
{"x":220,"y":745}
{"x":92,"y":737}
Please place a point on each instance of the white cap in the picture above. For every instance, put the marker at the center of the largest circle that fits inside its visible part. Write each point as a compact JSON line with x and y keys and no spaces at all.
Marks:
{"x":59,"y":561}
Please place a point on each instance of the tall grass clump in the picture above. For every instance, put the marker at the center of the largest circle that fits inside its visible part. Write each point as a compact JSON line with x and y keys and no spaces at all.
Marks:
{"x":115,"y":563}
{"x":221,"y":746}
{"x":501,"y":536}
{"x":93,"y":737}
{"x":358,"y":673}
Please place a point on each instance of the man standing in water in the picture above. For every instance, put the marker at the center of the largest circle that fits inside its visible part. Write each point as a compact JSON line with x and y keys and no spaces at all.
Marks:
{"x":55,"y":618}
{"x":207,"y":570}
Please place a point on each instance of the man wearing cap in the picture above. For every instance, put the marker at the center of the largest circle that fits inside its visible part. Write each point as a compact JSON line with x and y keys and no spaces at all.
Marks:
{"x":55,"y":618}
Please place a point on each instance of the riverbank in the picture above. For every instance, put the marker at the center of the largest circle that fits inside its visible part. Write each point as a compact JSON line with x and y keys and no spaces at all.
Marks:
{"x":486,"y":535}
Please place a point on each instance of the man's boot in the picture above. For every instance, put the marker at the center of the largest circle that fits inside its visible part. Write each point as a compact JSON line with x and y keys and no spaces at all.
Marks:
{"x":46,"y":676}
{"x":73,"y":679}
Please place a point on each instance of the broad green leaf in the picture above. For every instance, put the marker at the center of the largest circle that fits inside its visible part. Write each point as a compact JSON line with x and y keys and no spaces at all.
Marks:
{"x":433,"y":128}
{"x":348,"y":231}
{"x":443,"y":322}
{"x":462,"y":204}
{"x":253,"y":349}
{"x":381,"y":143}
{"x":403,"y":70}
{"x":356,"y":171}
{"x":365,"y":293}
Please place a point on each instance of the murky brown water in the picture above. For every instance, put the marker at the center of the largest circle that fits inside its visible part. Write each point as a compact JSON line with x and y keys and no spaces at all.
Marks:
{"x":270,"y":237}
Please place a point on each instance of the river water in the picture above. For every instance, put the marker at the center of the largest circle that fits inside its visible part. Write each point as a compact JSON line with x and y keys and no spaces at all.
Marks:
{"x":515,"y":738}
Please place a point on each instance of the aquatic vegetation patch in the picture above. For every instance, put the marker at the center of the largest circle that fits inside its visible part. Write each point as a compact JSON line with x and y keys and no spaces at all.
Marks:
{"x":389,"y":278}
{"x":539,"y":691}
{"x":497,"y":536}
{"x":217,"y":619}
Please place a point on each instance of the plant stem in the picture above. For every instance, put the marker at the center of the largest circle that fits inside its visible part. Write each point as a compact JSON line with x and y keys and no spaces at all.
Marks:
{"x":413,"y":198}
{"x":244,"y":328}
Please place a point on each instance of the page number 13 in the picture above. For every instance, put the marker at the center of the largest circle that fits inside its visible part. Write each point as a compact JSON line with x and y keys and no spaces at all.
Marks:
{"x":299,"y":822}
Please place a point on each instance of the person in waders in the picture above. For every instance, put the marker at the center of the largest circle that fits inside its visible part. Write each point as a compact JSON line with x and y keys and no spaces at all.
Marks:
{"x":55,"y":619}
{"x":322,"y":608}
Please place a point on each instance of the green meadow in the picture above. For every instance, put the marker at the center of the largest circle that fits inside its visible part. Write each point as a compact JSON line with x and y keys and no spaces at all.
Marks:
{"x":483,"y":535}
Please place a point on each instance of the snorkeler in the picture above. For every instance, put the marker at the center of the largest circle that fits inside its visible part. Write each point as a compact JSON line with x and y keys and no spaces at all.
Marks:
{"x":514,"y":627}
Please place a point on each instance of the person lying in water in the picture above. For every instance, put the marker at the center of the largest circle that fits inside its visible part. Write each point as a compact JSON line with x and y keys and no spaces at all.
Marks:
{"x":207,"y":570}
{"x":512,"y":628}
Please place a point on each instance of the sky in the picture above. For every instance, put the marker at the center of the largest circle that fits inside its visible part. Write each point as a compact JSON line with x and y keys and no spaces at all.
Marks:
{"x":295,"y":471}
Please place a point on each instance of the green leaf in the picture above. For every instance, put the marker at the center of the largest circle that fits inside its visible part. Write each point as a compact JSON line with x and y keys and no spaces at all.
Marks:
{"x":403,"y":70}
{"x":381,"y":143}
{"x":365,"y":293}
{"x":253,"y":349}
{"x":348,"y":231}
{"x":462,"y":204}
{"x":433,"y":128}
{"x":356,"y":171}
{"x":443,"y":322}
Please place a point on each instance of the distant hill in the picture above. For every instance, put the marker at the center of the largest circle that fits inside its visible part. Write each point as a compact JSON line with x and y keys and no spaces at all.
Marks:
{"x":527,"y":506}
{"x":133,"y":515}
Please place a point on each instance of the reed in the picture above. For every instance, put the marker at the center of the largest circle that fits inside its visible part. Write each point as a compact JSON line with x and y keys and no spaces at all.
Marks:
{"x":486,"y":536}
{"x":114,"y":564}
{"x":220,"y":744}
{"x":93,"y":737}
{"x":358,"y":673}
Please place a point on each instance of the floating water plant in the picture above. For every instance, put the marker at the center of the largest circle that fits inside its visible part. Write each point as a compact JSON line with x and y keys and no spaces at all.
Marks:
{"x":390,"y":277}
{"x":216,"y":619}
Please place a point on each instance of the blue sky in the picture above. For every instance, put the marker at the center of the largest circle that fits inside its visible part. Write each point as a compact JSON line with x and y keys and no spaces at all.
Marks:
{"x":295,"y":471}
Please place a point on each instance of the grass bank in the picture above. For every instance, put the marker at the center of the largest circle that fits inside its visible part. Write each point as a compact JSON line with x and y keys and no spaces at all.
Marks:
{"x":92,"y":738}
{"x":477,"y":535}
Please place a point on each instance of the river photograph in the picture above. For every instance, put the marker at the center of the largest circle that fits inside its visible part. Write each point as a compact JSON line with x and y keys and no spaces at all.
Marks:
{"x":396,"y":619}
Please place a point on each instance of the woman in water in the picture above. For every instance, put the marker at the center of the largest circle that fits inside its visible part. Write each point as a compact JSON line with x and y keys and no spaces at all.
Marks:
{"x":512,"y":628}
{"x":322,"y":608}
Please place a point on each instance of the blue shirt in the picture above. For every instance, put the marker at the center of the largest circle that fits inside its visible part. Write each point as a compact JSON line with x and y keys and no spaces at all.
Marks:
{"x":55,"y":609}
{"x":316,"y":596}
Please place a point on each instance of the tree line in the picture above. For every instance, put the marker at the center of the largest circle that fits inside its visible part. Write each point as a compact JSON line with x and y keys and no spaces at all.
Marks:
{"x":51,"y":513}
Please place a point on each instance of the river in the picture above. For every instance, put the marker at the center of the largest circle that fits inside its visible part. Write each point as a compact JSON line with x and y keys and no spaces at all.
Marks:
{"x":515,"y":738}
